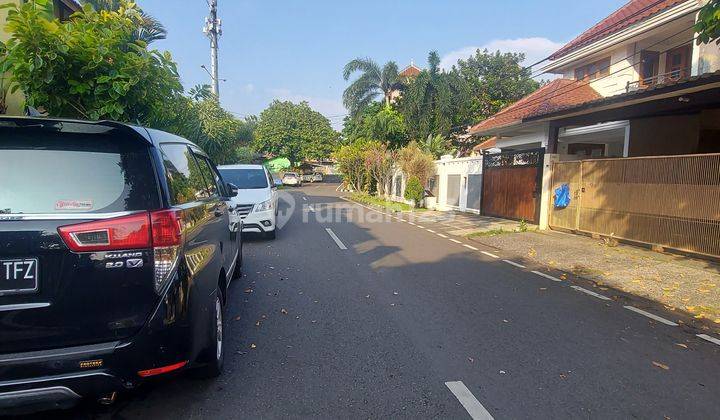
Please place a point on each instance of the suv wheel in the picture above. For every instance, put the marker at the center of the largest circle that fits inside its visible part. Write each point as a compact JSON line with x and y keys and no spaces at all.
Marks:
{"x":214,"y":352}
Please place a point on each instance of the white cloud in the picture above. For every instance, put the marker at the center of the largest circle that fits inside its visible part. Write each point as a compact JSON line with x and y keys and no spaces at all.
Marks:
{"x":331,"y":108}
{"x":535,"y":49}
{"x":248,"y":88}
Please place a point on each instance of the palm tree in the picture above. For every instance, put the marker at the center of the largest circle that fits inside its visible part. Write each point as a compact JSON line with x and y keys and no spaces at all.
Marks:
{"x":150,"y":29}
{"x":373,"y":82}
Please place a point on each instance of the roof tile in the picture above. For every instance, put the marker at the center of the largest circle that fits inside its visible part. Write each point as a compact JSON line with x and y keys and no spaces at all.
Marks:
{"x":554,"y":96}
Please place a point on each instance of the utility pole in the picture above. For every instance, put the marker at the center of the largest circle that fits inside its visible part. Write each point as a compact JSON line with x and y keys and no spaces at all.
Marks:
{"x":213,"y":30}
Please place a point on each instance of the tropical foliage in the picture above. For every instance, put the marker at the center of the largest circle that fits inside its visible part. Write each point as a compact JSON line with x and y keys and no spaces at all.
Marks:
{"x":294,"y":131}
{"x":708,"y":23}
{"x":377,"y":122}
{"x":414,"y":162}
{"x":92,"y":67}
{"x":414,"y":191}
{"x":372,"y":83}
{"x":149,"y":29}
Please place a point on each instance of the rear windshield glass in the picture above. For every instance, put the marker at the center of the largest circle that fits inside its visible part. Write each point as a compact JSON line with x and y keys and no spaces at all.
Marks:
{"x":245,"y":179}
{"x":54,"y":172}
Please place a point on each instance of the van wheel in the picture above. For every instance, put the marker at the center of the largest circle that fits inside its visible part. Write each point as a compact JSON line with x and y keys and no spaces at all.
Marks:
{"x":215,"y":351}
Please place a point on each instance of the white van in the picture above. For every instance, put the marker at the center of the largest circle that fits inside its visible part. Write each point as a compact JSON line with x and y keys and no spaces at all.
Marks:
{"x":256,"y":201}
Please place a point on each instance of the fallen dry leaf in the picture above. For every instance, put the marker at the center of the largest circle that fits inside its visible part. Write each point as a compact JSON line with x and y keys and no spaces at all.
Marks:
{"x":248,"y":290}
{"x":661,"y":366}
{"x":237,"y":318}
{"x":283,"y":311}
{"x":681,"y":345}
{"x":563,"y":277}
{"x":253,"y":346}
{"x":471,"y":360}
{"x":543,"y":288}
{"x":257,"y":324}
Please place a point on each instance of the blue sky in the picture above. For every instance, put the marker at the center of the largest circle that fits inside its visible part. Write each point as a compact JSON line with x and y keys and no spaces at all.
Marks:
{"x":295,"y":50}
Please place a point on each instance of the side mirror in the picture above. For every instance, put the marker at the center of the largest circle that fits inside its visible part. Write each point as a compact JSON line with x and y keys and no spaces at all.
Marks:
{"x":232,"y":189}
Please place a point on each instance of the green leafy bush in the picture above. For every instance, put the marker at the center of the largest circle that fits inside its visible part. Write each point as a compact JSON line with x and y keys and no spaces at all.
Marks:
{"x":414,"y":191}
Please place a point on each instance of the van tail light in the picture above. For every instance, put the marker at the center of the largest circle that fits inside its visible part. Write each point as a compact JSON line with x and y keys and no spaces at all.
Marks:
{"x":120,"y":233}
{"x":167,"y":239}
{"x":159,"y":230}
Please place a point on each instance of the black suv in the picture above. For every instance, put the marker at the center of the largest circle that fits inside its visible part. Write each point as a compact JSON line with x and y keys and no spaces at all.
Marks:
{"x":116,"y":252}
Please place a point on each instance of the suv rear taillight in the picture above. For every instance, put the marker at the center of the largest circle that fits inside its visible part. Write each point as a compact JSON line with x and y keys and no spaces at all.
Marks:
{"x":159,"y":230}
{"x":166,"y":239}
{"x":121,"y":233}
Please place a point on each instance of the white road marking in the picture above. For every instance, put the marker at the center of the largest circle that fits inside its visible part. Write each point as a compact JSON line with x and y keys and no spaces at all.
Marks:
{"x":412,"y":224}
{"x":304,"y":198}
{"x":441,"y":235}
{"x":311,"y":209}
{"x":489,"y":254}
{"x":514,"y":263}
{"x":468,"y":400}
{"x":651,"y":316}
{"x":709,"y":338}
{"x":455,"y":240}
{"x":430,"y":230}
{"x":547,"y":276}
{"x":337,"y":240}
{"x":590,"y":292}
{"x":470,"y":247}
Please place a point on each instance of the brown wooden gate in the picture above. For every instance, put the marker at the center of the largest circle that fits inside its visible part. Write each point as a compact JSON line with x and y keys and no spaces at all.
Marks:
{"x":512,"y":184}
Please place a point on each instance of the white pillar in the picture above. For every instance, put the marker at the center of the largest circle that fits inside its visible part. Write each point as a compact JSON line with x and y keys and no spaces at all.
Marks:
{"x":546,"y":197}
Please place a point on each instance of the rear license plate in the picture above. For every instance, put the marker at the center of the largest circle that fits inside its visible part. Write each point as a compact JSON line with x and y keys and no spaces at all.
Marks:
{"x":18,"y":276}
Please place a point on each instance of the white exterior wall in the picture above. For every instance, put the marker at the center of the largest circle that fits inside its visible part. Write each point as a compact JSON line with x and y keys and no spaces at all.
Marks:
{"x":462,"y":167}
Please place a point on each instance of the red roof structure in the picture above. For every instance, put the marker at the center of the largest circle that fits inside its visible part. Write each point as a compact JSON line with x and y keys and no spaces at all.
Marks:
{"x":554,"y":96}
{"x":633,"y":12}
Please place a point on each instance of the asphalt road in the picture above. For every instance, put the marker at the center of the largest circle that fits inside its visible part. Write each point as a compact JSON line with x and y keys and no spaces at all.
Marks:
{"x":376,"y":330}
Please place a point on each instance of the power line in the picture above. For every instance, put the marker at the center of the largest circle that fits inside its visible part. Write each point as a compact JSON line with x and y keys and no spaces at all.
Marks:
{"x":561,"y":91}
{"x":609,"y":28}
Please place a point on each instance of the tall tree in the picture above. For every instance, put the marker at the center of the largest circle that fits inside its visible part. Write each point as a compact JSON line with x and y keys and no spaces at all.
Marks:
{"x":433,"y":103}
{"x":377,"y":122}
{"x":149,"y":29}
{"x":294,"y":131}
{"x":372,"y":83}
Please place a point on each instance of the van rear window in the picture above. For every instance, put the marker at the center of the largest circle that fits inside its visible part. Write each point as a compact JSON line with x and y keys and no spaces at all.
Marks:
{"x":54,"y":172}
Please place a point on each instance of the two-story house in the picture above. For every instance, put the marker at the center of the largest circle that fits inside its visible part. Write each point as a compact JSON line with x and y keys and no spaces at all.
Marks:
{"x":13,"y":103}
{"x":627,"y":65}
{"x":634,"y":85}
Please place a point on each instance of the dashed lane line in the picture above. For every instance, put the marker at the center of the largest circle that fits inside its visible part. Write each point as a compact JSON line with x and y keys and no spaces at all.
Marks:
{"x":335,"y":238}
{"x":455,"y":240}
{"x":304,"y":198}
{"x":709,"y":338}
{"x":430,"y":230}
{"x":513,"y":263}
{"x":590,"y":292}
{"x":489,"y":254}
{"x":547,"y":276}
{"x":468,"y":401}
{"x":441,"y":235}
{"x":651,"y":316}
{"x":470,"y":247}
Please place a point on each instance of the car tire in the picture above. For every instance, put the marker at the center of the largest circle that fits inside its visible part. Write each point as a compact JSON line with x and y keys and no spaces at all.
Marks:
{"x":271,"y":234}
{"x":214,"y":354}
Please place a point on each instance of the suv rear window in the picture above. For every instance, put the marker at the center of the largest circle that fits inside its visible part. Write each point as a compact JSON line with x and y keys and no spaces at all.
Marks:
{"x":54,"y":172}
{"x":245,"y":179}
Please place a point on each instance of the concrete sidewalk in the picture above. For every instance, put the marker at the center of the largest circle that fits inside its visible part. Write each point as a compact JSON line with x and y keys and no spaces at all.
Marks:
{"x":680,"y":283}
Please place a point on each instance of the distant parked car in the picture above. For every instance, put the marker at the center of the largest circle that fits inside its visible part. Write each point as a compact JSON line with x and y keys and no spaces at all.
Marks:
{"x":292,"y":179}
{"x":317,"y":177}
{"x":117,"y":251}
{"x":307,"y":177}
{"x":256,"y":202}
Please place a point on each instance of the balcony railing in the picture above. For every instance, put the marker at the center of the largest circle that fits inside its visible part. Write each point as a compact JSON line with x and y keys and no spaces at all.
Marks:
{"x":672,"y":76}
